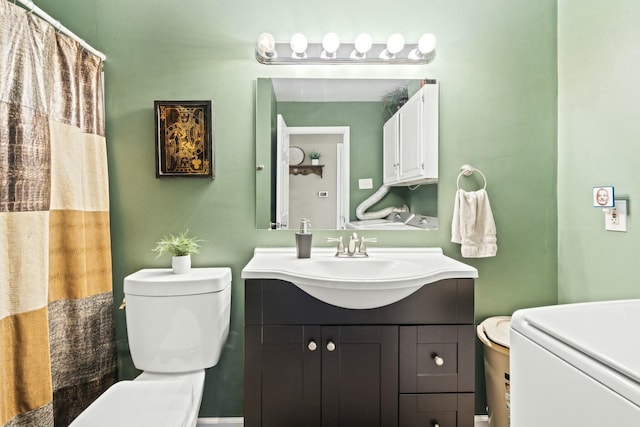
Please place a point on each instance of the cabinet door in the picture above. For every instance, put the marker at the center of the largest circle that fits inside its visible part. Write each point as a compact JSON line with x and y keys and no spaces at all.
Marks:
{"x":282,"y":376}
{"x":390,"y":151}
{"x":360,"y":376}
{"x":410,"y":131}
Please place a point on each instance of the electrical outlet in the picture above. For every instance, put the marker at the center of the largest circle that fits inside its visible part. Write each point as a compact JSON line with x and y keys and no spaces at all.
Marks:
{"x":615,"y":219}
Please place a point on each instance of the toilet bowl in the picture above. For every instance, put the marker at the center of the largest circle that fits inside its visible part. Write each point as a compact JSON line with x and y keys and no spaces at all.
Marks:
{"x":177,"y":326}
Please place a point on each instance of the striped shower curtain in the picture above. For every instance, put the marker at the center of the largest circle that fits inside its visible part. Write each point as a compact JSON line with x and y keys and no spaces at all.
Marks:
{"x":57,"y":343}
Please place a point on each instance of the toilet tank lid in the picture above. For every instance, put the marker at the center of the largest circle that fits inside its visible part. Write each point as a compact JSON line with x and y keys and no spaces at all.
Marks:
{"x":163,"y":282}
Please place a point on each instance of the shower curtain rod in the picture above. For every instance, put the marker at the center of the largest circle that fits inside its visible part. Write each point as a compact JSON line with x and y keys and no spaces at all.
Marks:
{"x":28,"y":4}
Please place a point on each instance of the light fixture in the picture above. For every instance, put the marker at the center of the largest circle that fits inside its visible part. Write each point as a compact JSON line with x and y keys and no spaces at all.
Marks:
{"x":330,"y":44}
{"x":426,"y":47}
{"x":361,"y":46}
{"x":395,"y":44}
{"x":266,"y":45}
{"x":299,"y":46}
{"x":331,"y":50}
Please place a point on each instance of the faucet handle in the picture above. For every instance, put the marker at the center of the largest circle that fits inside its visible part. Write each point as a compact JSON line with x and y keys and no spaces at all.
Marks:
{"x":363,"y":248}
{"x":340,"y":249}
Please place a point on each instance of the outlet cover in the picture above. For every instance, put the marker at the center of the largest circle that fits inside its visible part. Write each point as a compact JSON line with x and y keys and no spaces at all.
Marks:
{"x":615,"y":219}
{"x":365,"y":184}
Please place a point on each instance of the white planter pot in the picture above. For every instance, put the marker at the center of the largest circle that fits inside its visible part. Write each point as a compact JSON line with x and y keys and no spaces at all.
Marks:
{"x":315,"y":162}
{"x":181,"y":264}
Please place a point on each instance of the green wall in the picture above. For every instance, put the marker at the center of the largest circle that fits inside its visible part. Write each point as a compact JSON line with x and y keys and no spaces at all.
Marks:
{"x":496,"y":66}
{"x":598,"y":131}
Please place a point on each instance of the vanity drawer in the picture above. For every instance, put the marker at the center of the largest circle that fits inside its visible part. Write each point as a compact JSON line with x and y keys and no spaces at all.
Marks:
{"x":436,"y":359}
{"x":443,"y":410}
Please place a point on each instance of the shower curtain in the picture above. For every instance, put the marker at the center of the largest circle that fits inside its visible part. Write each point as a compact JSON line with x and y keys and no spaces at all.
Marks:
{"x":57,"y":339}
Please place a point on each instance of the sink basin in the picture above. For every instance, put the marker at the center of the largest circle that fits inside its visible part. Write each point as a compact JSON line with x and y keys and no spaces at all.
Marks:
{"x":361,"y":269}
{"x":386,"y":276}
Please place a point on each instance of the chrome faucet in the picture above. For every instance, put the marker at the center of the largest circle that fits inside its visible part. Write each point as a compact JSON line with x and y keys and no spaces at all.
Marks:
{"x":352,"y":248}
{"x":353,"y":244}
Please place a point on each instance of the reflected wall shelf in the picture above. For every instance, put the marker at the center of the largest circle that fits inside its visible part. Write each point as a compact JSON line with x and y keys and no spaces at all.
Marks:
{"x":306,"y":170}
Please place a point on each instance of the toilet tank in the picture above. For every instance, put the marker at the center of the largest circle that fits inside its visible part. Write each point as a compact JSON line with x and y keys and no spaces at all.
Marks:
{"x":177,"y":322}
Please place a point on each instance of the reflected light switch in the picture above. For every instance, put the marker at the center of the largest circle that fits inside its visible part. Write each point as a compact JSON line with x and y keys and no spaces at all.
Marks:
{"x":365,"y":184}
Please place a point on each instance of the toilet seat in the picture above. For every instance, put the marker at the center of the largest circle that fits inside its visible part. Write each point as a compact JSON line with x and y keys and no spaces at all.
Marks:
{"x":140,"y":404}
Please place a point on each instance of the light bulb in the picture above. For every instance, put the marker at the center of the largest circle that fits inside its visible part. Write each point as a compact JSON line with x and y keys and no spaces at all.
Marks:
{"x":395,"y":43}
{"x":427,"y":43}
{"x":330,"y":44}
{"x":362,"y":45}
{"x":299,"y":45}
{"x":266,"y":45}
{"x":426,"y":48}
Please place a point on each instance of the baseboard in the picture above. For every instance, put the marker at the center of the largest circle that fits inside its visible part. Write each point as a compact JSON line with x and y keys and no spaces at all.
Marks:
{"x":481,"y":421}
{"x":239,"y":421}
{"x":221,"y":422}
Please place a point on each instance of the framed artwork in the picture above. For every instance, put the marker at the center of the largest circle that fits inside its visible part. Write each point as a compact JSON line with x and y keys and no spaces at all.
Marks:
{"x":184,"y":139}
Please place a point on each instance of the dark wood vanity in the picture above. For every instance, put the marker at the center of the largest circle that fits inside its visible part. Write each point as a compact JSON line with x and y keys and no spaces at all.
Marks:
{"x":311,"y":364}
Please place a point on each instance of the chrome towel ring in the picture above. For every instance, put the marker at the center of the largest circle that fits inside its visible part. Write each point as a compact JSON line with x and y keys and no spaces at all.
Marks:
{"x":468,"y":170}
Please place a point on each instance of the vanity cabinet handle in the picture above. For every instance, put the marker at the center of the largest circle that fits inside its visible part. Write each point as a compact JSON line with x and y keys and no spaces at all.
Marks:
{"x":439,"y":361}
{"x":312,"y":346}
{"x":331,"y":346}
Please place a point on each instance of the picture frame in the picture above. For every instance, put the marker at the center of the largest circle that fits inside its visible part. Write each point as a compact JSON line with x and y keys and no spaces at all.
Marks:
{"x":184,"y":139}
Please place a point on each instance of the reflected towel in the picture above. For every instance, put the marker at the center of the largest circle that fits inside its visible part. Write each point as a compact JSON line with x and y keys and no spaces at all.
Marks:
{"x":473,"y":225}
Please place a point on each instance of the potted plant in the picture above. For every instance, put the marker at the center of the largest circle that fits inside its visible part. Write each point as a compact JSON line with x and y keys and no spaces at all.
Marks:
{"x":315,"y":157}
{"x":393,"y":100}
{"x":180,"y":247}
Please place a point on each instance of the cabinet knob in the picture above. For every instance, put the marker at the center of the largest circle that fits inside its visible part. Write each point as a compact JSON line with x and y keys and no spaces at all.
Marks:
{"x":436,"y":425}
{"x":312,"y":345}
{"x":438,"y":361}
{"x":331,"y":346}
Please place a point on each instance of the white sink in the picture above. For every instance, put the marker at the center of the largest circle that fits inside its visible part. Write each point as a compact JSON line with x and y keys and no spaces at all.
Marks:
{"x":386,"y":276}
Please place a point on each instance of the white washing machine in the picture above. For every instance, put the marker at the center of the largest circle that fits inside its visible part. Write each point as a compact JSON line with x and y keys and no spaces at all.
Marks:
{"x":576,"y":365}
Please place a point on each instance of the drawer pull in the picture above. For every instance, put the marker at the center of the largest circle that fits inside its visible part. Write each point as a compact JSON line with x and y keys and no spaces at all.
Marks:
{"x":312,"y":345}
{"x":331,"y":346}
{"x":436,"y":425}
{"x":439,"y":361}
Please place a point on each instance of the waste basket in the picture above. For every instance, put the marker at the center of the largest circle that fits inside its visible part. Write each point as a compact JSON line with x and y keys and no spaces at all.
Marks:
{"x":494,"y":334}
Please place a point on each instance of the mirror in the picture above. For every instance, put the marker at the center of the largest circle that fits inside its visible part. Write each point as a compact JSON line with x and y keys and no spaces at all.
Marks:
{"x":342,"y":120}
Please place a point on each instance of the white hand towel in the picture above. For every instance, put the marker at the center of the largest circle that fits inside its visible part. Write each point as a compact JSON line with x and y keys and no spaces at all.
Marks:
{"x":473,"y":225}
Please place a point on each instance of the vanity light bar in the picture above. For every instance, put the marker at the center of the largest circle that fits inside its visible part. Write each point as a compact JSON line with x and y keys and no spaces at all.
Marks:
{"x":332,"y":51}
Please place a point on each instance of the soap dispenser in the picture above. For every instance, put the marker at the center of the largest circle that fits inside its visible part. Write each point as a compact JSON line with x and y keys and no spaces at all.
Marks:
{"x":303,"y":239}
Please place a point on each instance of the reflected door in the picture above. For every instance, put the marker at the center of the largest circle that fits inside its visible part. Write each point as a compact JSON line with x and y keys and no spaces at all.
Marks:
{"x":282,"y":176}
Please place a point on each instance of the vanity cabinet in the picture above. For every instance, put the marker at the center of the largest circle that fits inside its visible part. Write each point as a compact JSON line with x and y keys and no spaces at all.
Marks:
{"x":410,"y":140}
{"x":407,"y":364}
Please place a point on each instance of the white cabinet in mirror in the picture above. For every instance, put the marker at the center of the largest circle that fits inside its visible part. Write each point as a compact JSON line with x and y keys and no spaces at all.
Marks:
{"x":411,"y":140}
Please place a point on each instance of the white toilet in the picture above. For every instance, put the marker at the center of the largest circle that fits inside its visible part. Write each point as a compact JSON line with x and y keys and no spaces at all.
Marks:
{"x":177,"y":326}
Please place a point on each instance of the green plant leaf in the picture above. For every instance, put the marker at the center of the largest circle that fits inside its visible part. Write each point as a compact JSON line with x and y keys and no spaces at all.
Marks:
{"x":179,"y":245}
